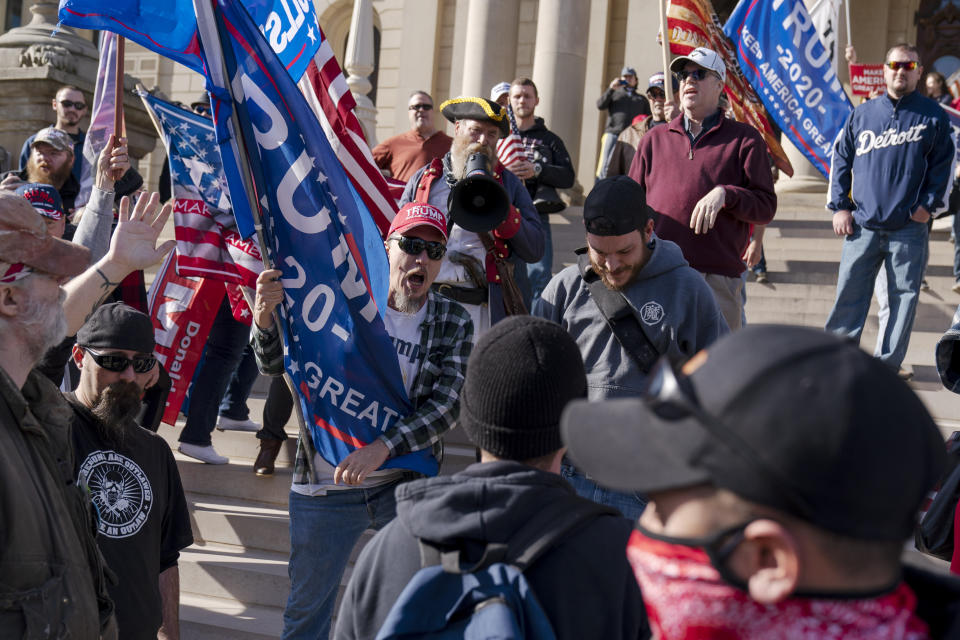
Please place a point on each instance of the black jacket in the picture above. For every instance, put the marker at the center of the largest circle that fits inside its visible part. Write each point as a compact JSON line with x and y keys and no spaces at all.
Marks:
{"x":622,"y":107}
{"x":584,"y":584}
{"x":556,"y":168}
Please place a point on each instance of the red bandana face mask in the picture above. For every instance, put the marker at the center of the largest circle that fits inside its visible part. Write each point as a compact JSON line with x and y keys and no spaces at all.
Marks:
{"x":687,"y":599}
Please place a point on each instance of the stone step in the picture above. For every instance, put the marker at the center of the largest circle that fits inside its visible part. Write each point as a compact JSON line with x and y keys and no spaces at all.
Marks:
{"x":242,"y":523}
{"x":228,"y":572}
{"x":206,"y":618}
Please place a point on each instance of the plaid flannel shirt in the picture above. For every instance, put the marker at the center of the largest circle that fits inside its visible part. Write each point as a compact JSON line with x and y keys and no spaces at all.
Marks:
{"x":446,"y":338}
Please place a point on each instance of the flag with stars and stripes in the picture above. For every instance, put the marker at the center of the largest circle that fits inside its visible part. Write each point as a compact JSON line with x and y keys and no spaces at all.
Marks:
{"x":319,"y":232}
{"x":208,"y":244}
{"x":510,"y":149}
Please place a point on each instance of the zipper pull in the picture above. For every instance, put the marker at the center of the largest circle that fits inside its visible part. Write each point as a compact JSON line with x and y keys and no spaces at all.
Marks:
{"x":690,"y":154}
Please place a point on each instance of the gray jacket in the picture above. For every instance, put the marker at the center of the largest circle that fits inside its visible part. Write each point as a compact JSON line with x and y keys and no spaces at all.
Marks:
{"x":674,"y":304}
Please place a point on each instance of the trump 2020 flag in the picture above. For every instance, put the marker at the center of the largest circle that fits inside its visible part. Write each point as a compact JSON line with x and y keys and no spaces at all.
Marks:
{"x":208,"y":244}
{"x":169,"y":27}
{"x":337,"y":351}
{"x":781,"y":55}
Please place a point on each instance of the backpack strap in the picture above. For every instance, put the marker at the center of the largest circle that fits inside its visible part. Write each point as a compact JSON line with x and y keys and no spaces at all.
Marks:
{"x":620,"y":317}
{"x":538,"y":535}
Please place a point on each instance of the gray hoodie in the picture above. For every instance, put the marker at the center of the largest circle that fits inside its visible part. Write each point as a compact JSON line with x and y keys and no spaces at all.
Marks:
{"x":674,"y":304}
{"x":583,"y":583}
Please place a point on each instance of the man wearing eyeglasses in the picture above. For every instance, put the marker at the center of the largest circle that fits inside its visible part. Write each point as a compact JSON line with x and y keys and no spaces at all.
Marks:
{"x":128,"y":471}
{"x":399,"y":157}
{"x":891,"y":171}
{"x":70,"y":107}
{"x":60,"y":163}
{"x":330,"y":507}
{"x":661,"y":112}
{"x":785,"y":469}
{"x":708,"y":177}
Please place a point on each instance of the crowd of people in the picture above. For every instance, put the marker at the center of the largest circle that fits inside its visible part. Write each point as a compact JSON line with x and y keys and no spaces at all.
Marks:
{"x":641,"y":470}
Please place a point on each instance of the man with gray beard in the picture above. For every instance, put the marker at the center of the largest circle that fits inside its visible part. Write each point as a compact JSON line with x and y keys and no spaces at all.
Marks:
{"x":53,"y":581}
{"x":128,"y":471}
{"x":470,"y":273}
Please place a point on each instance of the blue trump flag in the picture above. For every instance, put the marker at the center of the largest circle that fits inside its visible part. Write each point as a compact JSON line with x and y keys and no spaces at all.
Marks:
{"x":337,"y":351}
{"x":781,"y":55}
{"x":169,"y":27}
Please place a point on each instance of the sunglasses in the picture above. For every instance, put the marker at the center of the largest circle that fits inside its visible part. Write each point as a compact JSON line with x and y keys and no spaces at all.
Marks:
{"x":117,"y":363}
{"x":696,"y":74}
{"x":656,"y":94}
{"x":909,"y":65}
{"x":672,"y":398}
{"x":420,"y":107}
{"x":79,"y":106}
{"x":415,"y":246}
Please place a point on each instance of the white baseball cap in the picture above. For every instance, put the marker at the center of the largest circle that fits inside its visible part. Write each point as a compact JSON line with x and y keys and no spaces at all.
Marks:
{"x":706,"y":58}
{"x":498,"y":90}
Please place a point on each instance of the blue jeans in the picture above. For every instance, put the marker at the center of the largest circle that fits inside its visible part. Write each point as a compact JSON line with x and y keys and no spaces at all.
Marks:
{"x":234,"y":403}
{"x":323,"y":532}
{"x":956,"y":244}
{"x":540,"y":272}
{"x":631,"y":505}
{"x":902,"y":253}
{"x":224,"y":350}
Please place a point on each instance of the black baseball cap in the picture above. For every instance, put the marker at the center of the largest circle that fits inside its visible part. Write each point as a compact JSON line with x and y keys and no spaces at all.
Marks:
{"x":118,"y":326}
{"x":795,"y":419}
{"x":616,"y":206}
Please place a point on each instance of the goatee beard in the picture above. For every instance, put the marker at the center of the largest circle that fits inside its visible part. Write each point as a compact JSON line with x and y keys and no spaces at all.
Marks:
{"x":115,"y":407}
{"x":461,"y":150}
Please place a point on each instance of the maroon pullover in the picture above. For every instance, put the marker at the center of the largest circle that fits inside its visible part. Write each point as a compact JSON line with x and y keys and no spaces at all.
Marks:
{"x":677,"y":174}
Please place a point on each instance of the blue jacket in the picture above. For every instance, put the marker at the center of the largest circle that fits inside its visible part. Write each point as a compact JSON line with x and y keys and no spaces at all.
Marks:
{"x":891,"y":158}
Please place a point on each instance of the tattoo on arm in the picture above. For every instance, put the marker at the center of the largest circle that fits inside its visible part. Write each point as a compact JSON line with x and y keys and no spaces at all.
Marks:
{"x":106,"y":288}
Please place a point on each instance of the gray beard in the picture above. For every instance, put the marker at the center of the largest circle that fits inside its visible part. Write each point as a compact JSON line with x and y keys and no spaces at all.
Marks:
{"x":44,"y":326}
{"x":406,"y":304}
{"x":460,"y":151}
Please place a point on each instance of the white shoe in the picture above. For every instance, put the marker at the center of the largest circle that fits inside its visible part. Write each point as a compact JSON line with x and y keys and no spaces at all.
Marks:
{"x":229,"y":424}
{"x":204,"y":454}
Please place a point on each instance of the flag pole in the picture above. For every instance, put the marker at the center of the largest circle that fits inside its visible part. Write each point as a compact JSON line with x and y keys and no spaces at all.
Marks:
{"x":846,"y":15}
{"x":665,"y":50}
{"x":118,"y":97}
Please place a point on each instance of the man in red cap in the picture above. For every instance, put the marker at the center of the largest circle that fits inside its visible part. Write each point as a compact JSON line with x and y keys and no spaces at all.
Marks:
{"x":330,"y":507}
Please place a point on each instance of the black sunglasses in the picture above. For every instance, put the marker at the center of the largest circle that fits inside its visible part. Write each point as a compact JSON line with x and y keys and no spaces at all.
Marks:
{"x":421,"y":107}
{"x":117,"y":363}
{"x":696,"y":74}
{"x":79,"y":106}
{"x":415,"y":246}
{"x":656,"y":94}
{"x":671,"y":397}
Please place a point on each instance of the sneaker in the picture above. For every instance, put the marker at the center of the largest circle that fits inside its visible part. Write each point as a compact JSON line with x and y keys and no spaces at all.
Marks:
{"x":267,"y":458}
{"x":229,"y":424}
{"x":956,"y":287}
{"x":905,"y":375}
{"x":204,"y":454}
{"x":924,"y":285}
{"x":761,"y":277}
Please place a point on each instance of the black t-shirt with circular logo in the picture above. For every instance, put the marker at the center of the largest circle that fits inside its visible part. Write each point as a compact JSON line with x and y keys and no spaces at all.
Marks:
{"x":143,"y":519}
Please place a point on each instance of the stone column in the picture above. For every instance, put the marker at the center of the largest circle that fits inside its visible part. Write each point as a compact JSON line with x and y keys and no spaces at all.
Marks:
{"x":358,"y":61}
{"x":34,"y":63}
{"x":559,"y":67}
{"x":806,"y":178}
{"x":490,"y":54}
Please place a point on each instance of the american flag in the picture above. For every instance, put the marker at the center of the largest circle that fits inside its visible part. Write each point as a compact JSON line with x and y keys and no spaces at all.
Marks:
{"x":330,"y":99}
{"x":510,"y":149}
{"x":208,"y":244}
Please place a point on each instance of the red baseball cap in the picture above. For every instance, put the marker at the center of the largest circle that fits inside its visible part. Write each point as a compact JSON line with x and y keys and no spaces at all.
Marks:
{"x":418,"y":214}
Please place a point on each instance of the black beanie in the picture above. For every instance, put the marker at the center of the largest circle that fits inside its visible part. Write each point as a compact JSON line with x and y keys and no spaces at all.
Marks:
{"x":520,"y":376}
{"x":117,"y":326}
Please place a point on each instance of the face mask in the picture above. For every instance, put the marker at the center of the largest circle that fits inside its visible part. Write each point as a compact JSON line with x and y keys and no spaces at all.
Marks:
{"x":690,"y":594}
